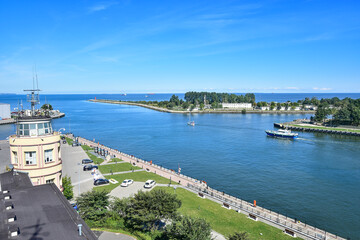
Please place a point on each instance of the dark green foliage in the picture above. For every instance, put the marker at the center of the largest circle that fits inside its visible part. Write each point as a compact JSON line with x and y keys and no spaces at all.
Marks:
{"x":321,"y":113}
{"x":175,"y":99}
{"x":146,"y":209}
{"x":47,"y":107}
{"x":68,"y":188}
{"x":212,"y":97}
{"x":184,"y":227}
{"x":119,"y":206}
{"x":93,"y":205}
{"x":239,"y":236}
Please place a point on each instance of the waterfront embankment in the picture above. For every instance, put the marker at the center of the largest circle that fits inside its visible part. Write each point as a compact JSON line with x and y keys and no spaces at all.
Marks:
{"x":13,"y":120}
{"x":289,"y":225}
{"x":240,"y":111}
{"x":307,"y":127}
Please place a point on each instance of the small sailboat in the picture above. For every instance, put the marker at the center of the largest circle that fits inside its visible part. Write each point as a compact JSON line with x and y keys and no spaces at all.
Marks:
{"x":191,"y":123}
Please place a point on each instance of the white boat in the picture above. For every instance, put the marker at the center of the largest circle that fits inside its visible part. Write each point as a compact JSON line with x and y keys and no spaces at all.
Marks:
{"x":283,"y":133}
{"x":191,"y":123}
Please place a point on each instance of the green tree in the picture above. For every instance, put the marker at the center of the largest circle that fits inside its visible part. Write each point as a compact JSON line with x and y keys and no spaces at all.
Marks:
{"x":146,"y":209}
{"x":119,"y":206}
{"x":93,"y":205}
{"x":202,"y":106}
{"x":239,"y":236}
{"x":185,"y":227}
{"x":68,"y":188}
{"x":47,"y":107}
{"x":321,"y":113}
{"x":175,"y":99}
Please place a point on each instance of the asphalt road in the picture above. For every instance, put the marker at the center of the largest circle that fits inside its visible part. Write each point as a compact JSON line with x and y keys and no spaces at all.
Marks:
{"x":82,"y":181}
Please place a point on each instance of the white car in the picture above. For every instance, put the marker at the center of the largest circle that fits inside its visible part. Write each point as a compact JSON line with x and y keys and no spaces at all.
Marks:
{"x":126,"y":182}
{"x":149,"y":184}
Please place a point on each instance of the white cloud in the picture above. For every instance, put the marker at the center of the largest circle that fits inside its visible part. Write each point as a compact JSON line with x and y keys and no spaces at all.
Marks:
{"x":322,"y":89}
{"x":101,"y":6}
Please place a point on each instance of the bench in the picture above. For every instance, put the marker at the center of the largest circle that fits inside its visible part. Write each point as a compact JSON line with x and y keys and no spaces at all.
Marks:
{"x":290,"y":232}
{"x":253,"y":217}
{"x":201,"y":195}
{"x":225,"y":205}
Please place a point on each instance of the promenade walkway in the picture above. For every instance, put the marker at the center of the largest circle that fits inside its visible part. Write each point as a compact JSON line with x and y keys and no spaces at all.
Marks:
{"x":288,"y":225}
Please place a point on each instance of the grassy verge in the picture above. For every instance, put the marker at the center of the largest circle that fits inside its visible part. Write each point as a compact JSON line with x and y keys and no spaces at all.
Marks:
{"x":69,"y":140}
{"x":121,"y":167}
{"x":223,"y":220}
{"x":95,"y":159}
{"x":136,"y":176}
{"x":326,"y":128}
{"x":115,"y":160}
{"x":86,"y":148}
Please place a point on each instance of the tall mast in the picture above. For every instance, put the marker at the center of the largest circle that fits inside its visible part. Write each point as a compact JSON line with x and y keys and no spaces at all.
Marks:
{"x":33,"y":97}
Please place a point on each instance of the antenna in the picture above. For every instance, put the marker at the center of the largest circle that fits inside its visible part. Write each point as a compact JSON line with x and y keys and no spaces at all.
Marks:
{"x":33,"y":97}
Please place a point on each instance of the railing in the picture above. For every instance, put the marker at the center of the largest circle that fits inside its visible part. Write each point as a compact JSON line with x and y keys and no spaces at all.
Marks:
{"x":265,"y":215}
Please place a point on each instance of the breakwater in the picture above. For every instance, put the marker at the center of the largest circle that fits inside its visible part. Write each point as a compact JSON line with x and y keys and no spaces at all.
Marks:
{"x":239,"y":111}
{"x":310,"y":129}
{"x":289,"y":225}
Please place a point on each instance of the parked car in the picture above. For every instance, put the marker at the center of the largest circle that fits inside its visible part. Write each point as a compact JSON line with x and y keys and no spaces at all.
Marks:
{"x":149,"y":184}
{"x":86,"y":161}
{"x":127,"y":182}
{"x":101,"y":181}
{"x":89,"y":167}
{"x":75,"y":144}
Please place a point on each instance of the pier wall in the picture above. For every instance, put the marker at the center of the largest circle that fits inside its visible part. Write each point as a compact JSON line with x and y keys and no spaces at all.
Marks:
{"x":254,"y":212}
{"x":306,"y":129}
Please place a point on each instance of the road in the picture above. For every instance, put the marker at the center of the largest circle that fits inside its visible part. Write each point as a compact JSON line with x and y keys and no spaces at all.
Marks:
{"x":72,"y":167}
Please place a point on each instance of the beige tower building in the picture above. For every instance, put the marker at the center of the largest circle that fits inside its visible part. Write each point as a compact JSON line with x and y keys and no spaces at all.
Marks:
{"x":35,"y":148}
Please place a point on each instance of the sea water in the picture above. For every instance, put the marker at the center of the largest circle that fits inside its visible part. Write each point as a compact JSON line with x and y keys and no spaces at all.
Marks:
{"x":315,"y":178}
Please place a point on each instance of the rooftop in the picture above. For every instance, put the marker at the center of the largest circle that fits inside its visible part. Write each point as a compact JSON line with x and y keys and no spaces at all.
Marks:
{"x":39,"y":212}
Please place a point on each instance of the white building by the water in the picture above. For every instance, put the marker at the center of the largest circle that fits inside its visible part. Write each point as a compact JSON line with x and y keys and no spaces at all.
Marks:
{"x":5,"y":111}
{"x":237,"y":105}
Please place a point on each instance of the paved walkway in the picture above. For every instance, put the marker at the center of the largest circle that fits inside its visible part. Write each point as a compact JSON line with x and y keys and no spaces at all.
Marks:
{"x":72,"y":167}
{"x":109,"y":174}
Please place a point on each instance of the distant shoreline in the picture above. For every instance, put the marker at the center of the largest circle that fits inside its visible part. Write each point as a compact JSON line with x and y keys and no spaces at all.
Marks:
{"x":201,"y":111}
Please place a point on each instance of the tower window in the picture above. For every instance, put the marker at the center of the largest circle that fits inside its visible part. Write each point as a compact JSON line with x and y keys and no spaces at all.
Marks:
{"x":30,"y":158}
{"x":48,"y":155}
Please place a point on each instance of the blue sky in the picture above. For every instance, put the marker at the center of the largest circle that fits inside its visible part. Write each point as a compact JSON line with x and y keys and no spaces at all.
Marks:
{"x":177,"y":46}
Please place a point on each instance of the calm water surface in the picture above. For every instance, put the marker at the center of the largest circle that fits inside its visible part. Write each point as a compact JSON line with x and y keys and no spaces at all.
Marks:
{"x":315,"y":178}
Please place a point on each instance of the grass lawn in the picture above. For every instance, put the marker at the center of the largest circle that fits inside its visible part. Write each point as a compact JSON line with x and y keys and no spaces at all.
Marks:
{"x":69,"y":140}
{"x":223,"y":220}
{"x":121,"y":167}
{"x":86,"y":148}
{"x":327,"y":128}
{"x":115,"y":160}
{"x":136,"y":176}
{"x":95,"y":158}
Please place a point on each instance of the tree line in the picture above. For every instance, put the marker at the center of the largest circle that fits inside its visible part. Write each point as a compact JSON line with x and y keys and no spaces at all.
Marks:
{"x":344,"y":112}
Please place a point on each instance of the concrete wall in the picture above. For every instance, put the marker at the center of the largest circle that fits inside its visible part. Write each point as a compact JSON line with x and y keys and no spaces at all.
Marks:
{"x":5,"y":110}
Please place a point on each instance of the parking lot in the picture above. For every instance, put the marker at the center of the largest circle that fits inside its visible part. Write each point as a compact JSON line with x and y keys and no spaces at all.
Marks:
{"x":82,"y":181}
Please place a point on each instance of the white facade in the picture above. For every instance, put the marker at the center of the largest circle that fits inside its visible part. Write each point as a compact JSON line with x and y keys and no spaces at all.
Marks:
{"x":237,"y":105}
{"x":265,"y":108}
{"x":5,"y":111}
